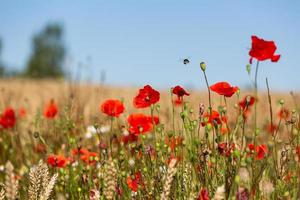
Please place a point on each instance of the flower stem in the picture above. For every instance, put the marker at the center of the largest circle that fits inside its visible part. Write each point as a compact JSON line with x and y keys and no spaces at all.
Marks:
{"x":255,"y":103}
{"x":210,"y":107}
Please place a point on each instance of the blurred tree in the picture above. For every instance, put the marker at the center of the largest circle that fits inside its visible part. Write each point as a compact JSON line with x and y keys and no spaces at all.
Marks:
{"x":48,"y":53}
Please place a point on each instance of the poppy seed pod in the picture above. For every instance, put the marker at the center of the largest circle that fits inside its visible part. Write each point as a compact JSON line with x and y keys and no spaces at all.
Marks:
{"x":203,"y":66}
{"x":36,"y":134}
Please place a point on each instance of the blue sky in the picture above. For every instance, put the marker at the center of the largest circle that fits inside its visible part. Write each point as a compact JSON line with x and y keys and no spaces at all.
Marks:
{"x":142,"y":42}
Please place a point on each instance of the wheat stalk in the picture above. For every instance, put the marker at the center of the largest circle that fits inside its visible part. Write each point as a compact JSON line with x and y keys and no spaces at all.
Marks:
{"x":2,"y":194}
{"x":41,"y":185}
{"x":11,"y":183}
{"x":49,"y":188}
{"x":35,"y":180}
{"x":169,"y":178}
{"x":109,"y":179}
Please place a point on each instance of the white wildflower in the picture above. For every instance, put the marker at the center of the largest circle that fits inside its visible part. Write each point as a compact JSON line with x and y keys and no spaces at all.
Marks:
{"x":266,"y":187}
{"x":104,"y":129}
{"x":90,"y":132}
{"x":131,"y":162}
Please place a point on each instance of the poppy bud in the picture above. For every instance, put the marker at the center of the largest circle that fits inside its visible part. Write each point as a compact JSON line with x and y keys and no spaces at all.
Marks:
{"x":257,"y":131}
{"x":157,"y":107}
{"x":248,"y":68}
{"x":281,"y":101}
{"x":183,"y":114}
{"x":195,"y":123}
{"x":145,"y":170}
{"x":96,"y":126}
{"x":286,"y":194}
{"x":208,"y":127}
{"x":213,"y":160}
{"x":295,"y":131}
{"x":123,"y":173}
{"x":157,"y":145}
{"x":203,"y":66}
{"x":237,"y":179}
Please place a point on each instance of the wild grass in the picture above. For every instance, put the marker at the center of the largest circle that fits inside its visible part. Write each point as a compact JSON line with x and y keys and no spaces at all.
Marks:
{"x":178,"y":159}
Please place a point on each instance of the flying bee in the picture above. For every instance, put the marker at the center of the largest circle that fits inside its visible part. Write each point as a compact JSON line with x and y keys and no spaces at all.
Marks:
{"x":186,"y":61}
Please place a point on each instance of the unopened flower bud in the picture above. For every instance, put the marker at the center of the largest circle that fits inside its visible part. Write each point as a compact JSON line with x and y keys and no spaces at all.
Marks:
{"x":281,"y":101}
{"x":203,"y":66}
{"x":248,"y":68}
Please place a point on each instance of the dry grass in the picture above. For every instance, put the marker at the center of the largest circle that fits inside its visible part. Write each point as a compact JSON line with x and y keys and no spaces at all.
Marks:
{"x":85,"y":99}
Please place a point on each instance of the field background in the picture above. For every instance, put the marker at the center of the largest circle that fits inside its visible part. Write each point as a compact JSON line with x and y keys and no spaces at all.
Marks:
{"x":85,"y":99}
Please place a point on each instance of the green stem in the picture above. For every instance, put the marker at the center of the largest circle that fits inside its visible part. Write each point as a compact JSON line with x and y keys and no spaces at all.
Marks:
{"x":209,"y":108}
{"x":255,"y":103}
{"x":173,"y":112}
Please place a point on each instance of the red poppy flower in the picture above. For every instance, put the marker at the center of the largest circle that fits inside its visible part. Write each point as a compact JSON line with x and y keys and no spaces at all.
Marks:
{"x":214,"y":118}
{"x":283,"y":114}
{"x":224,"y":88}
{"x":260,"y":151}
{"x":22,"y":112}
{"x":173,"y":142}
{"x":263,"y":50}
{"x":85,"y":155}
{"x":50,"y":110}
{"x":8,"y":118}
{"x":247,"y":102}
{"x":89,"y":158}
{"x":225,"y":149}
{"x":245,"y":105}
{"x":146,"y":97}
{"x":129,"y":138}
{"x":271,"y":128}
{"x":203,"y":194}
{"x":140,"y":123}
{"x":134,"y":181}
{"x":179,"y":92}
{"x":112,"y":107}
{"x":79,"y":151}
{"x":57,"y":160}
{"x":40,"y":148}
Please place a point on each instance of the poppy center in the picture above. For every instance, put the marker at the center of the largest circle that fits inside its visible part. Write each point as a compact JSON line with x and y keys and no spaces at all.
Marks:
{"x":147,"y":99}
{"x":140,"y":128}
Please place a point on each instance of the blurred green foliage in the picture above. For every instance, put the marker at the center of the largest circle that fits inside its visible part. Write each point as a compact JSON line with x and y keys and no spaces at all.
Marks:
{"x":48,"y":53}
